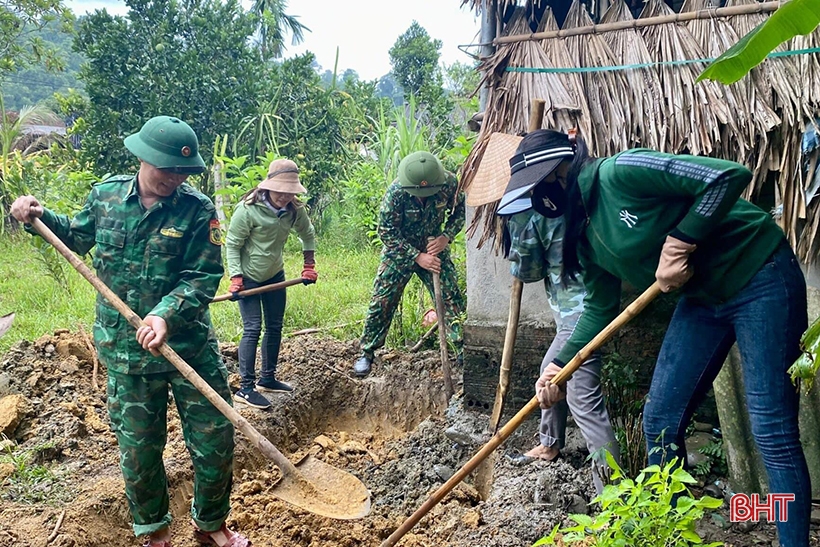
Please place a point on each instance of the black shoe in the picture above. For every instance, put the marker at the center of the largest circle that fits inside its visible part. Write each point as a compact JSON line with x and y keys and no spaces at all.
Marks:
{"x":273,"y":386}
{"x":250,"y":397}
{"x":361,"y":367}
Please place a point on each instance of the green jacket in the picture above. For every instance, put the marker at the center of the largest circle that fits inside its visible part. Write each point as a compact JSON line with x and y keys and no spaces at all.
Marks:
{"x":635,"y":199}
{"x":257,"y":236}
{"x":536,"y":253}
{"x":405,"y":223}
{"x":164,"y":261}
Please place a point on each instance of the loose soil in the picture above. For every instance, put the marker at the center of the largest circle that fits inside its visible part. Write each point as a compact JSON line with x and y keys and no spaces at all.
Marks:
{"x":388,"y":430}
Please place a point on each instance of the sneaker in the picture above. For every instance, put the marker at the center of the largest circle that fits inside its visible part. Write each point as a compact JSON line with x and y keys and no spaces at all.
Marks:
{"x":273,"y":386}
{"x":250,"y":397}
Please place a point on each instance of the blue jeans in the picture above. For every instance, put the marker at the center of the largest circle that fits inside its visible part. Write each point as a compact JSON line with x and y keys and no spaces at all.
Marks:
{"x":271,"y":306}
{"x":767,"y":318}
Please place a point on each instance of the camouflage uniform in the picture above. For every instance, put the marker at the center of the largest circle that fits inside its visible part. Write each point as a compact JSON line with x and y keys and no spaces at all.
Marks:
{"x":536,"y":247}
{"x":165,"y":261}
{"x":404,"y":226}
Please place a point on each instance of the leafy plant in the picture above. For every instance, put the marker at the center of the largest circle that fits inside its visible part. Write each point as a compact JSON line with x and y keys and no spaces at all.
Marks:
{"x":30,"y":482}
{"x":797,"y":17}
{"x":641,"y":511}
{"x":808,"y":364}
{"x":624,"y":402}
{"x":715,"y":461}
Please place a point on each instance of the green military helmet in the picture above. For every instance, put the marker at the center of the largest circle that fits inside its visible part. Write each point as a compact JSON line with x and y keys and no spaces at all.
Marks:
{"x":167,"y":143}
{"x":421,"y":174}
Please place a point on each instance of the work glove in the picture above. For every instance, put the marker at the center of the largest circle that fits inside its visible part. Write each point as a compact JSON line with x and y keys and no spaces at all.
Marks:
{"x":549,"y":394}
{"x":309,"y":274}
{"x":673,"y":268}
{"x":237,"y":284}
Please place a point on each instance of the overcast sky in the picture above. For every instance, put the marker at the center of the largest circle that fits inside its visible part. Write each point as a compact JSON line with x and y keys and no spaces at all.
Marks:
{"x":364,"y":30}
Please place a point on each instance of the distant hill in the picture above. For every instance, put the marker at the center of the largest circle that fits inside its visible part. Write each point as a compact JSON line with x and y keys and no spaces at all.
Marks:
{"x":36,"y":84}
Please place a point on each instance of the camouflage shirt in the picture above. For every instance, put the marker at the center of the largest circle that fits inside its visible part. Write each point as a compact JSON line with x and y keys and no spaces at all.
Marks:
{"x":163,"y":261}
{"x":536,"y":246}
{"x":405,"y":223}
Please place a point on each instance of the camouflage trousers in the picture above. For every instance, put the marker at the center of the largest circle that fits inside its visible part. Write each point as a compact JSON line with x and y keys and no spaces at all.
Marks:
{"x":137,"y":407}
{"x":387,"y":292}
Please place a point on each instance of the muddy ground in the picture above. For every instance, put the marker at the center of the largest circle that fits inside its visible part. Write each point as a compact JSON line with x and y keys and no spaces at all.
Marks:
{"x":388,"y":430}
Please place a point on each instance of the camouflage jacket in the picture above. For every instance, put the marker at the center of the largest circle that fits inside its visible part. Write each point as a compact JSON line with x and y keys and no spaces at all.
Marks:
{"x":165,"y":261}
{"x":536,"y":246}
{"x":405,"y":223}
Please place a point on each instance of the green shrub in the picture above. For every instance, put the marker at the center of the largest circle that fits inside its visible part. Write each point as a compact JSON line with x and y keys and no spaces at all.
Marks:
{"x":641,"y":512}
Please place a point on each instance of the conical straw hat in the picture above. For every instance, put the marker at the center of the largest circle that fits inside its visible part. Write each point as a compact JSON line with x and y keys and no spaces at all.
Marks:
{"x":493,"y":172}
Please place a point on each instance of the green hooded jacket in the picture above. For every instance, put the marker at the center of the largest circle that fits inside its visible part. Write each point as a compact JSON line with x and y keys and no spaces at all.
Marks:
{"x":634,"y":199}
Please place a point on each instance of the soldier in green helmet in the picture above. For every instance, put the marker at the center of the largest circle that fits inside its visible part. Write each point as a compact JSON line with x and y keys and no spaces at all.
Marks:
{"x":157,"y":245}
{"x":423,"y":202}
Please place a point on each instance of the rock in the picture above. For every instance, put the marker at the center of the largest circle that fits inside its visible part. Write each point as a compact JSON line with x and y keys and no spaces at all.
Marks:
{"x":12,"y":410}
{"x":7,"y":445}
{"x":6,"y":470}
{"x":471,"y":519}
{"x":443,"y":472}
{"x":746,"y":527}
{"x":815,"y":516}
{"x":704,"y":427}
{"x":94,"y":421}
{"x":353,"y":447}
{"x":713,"y":491}
{"x":325,"y":442}
{"x":577,"y":505}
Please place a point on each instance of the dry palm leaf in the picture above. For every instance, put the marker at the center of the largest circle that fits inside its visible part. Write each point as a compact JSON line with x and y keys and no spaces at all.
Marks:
{"x":556,"y":50}
{"x":508,"y":102}
{"x":694,"y":112}
{"x":747,"y":142}
{"x":606,"y":93}
{"x":644,"y":87}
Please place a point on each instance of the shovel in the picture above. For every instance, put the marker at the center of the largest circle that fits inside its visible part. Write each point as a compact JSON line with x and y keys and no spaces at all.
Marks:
{"x":442,"y":334}
{"x":259,"y":290}
{"x":5,"y":323}
{"x":311,"y":484}
{"x":630,"y":312}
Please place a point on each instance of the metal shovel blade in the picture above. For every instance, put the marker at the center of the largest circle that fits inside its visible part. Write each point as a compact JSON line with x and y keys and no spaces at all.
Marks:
{"x":5,"y":323}
{"x":324,"y":490}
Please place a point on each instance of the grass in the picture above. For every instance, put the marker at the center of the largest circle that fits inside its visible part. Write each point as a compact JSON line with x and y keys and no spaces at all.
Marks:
{"x":31,"y":286}
{"x":30,"y":482}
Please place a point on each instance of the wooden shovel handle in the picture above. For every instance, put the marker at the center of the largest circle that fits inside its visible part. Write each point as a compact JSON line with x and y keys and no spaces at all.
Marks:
{"x":260,"y":290}
{"x":507,"y":353}
{"x":256,"y":438}
{"x":631,"y":311}
{"x":442,"y":334}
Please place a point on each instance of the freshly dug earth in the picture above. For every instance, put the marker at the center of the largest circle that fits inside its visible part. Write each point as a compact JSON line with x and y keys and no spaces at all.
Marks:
{"x":388,"y":430}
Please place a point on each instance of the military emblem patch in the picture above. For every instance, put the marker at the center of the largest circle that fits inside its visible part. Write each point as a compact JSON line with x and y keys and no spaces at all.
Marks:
{"x":423,"y":183}
{"x":215,"y":232}
{"x":171,"y":232}
{"x":186,"y":151}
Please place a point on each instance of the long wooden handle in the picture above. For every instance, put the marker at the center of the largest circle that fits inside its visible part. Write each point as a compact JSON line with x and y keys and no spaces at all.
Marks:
{"x":507,"y":353}
{"x":536,"y":114}
{"x":260,"y":290}
{"x":625,"y":316}
{"x":256,"y":438}
{"x":442,"y":334}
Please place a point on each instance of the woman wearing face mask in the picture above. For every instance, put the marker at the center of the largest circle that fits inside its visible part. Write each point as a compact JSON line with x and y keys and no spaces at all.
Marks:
{"x":642,"y":216}
{"x":259,"y":228}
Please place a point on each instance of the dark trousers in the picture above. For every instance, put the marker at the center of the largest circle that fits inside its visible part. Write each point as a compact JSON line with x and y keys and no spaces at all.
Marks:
{"x":269,"y":306}
{"x":766,"y":319}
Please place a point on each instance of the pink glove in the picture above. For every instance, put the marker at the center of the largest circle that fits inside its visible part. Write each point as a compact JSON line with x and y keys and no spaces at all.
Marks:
{"x":309,"y":274}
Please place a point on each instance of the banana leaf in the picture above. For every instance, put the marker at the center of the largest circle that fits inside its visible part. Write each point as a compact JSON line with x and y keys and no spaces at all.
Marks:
{"x":806,"y":367}
{"x":797,"y":17}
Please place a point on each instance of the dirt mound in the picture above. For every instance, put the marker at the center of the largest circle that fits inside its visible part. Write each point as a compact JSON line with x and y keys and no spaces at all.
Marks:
{"x":393,"y":430}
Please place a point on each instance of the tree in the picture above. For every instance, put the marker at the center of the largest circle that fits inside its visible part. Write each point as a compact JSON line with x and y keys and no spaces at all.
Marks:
{"x":190,"y":58}
{"x":19,"y":21}
{"x":461,"y":79}
{"x":273,"y":26}
{"x":414,"y":58}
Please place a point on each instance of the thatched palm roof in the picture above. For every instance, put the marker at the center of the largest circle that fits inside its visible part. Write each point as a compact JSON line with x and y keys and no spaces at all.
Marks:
{"x":759,"y":121}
